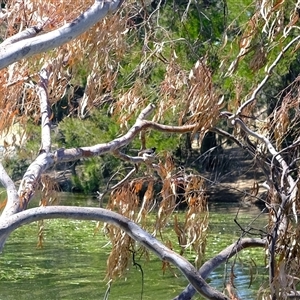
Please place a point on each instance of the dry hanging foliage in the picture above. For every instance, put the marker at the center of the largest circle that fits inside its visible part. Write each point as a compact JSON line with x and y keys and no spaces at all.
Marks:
{"x":191,"y":95}
{"x":173,"y":90}
{"x":193,"y":233}
{"x":128,"y":104}
{"x":49,"y":190}
{"x":285,"y":118}
{"x":168,"y":193}
{"x":119,"y":256}
{"x":203,"y":103}
{"x":267,"y":19}
{"x":183,"y":189}
{"x":125,"y":200}
{"x":147,"y":203}
{"x":18,"y":98}
{"x":49,"y":196}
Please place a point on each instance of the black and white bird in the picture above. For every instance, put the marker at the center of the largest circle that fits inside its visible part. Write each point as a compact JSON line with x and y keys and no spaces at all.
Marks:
{"x":147,"y":152}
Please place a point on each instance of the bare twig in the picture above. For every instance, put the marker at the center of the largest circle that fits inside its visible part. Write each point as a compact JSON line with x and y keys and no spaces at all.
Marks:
{"x":267,"y":77}
{"x":110,"y":189}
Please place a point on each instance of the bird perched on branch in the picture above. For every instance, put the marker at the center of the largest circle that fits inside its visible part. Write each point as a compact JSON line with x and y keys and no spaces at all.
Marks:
{"x":147,"y":152}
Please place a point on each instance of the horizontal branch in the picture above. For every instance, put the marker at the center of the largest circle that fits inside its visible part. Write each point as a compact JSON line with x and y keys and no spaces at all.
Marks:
{"x":133,"y":230}
{"x":65,"y":155}
{"x":46,"y":160}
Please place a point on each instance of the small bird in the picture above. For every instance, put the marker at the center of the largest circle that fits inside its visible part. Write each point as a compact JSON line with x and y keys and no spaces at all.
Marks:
{"x":147,"y":152}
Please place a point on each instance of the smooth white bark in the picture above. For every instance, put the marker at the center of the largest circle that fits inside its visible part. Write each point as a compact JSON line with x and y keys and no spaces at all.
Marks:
{"x":12,"y":194}
{"x":45,"y":110}
{"x":25,"y":48}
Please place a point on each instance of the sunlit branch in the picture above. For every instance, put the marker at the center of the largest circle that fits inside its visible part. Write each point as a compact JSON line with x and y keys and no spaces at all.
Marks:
{"x":65,"y":155}
{"x":12,"y":194}
{"x":45,"y":110}
{"x":132,"y":229}
{"x":280,"y":218}
{"x":32,"y":177}
{"x":45,"y":159}
{"x":28,"y":47}
{"x":23,"y":35}
{"x":276,"y":155}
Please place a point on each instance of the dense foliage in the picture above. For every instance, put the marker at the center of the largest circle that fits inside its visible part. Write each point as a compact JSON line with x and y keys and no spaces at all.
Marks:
{"x":218,"y":73}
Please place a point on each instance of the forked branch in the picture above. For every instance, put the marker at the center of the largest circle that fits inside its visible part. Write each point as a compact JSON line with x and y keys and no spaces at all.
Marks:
{"x":219,"y":259}
{"x":46,"y":159}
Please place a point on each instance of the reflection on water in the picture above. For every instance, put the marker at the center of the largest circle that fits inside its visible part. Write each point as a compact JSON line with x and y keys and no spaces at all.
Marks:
{"x":72,"y":264}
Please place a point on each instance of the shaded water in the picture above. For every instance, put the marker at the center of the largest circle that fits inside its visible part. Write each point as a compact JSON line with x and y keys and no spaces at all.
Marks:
{"x":73,"y":261}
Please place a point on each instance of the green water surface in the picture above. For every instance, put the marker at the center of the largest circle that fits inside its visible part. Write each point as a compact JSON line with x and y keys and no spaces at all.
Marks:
{"x":72,"y":263}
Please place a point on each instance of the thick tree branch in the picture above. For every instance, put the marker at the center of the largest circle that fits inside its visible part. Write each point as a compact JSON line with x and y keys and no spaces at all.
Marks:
{"x":288,"y":196}
{"x":32,"y":177}
{"x":117,"y":185}
{"x":219,"y":259}
{"x":133,"y":230}
{"x":12,"y":195}
{"x":45,"y":110}
{"x":23,"y":35}
{"x":276,"y":155}
{"x":26,"y":48}
{"x":65,"y":155}
{"x":46,"y":160}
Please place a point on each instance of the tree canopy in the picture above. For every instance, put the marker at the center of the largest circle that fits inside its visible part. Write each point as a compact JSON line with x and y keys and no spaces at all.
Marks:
{"x":106,"y":79}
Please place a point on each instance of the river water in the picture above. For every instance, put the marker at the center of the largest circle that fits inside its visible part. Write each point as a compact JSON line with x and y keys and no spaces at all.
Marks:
{"x":72,"y":262}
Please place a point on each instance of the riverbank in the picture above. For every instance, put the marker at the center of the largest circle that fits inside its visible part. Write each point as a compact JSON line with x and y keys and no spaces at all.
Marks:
{"x":235,"y":178}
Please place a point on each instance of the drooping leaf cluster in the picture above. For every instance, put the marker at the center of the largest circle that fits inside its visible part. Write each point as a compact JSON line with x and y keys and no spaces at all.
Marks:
{"x":192,"y":60}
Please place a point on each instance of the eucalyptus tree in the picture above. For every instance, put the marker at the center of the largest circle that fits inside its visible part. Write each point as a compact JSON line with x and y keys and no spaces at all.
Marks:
{"x":131,"y":54}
